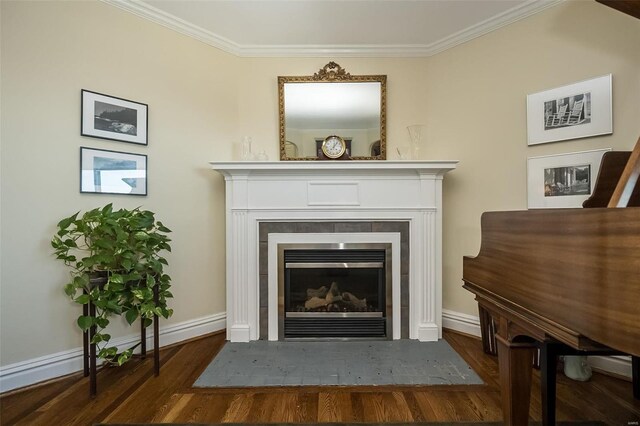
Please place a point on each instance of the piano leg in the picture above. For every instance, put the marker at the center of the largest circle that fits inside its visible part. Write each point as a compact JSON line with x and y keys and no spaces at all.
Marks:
{"x":635,"y":376}
{"x":515,"y":361}
{"x":549,"y":352}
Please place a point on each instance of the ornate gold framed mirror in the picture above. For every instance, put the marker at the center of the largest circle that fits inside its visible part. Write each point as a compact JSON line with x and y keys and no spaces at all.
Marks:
{"x":333,"y":103}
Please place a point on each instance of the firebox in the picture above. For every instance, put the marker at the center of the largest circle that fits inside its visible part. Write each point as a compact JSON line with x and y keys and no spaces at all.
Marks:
{"x":334,"y":291}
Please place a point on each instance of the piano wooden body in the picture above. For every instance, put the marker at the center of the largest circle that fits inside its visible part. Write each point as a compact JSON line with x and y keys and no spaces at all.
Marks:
{"x":565,"y":276}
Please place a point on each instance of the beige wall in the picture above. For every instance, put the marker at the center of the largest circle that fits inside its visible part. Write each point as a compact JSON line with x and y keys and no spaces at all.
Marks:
{"x":476,"y":113}
{"x":202,"y":100}
{"x":52,"y":50}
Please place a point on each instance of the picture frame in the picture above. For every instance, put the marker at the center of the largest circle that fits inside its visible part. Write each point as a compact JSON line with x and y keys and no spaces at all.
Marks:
{"x":562,"y":180}
{"x":112,"y":172}
{"x":578,"y":110}
{"x":117,"y":119}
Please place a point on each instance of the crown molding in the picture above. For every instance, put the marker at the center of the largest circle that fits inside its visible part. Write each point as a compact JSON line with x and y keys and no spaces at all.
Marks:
{"x":505,"y":18}
{"x":170,"y":21}
{"x":144,"y":10}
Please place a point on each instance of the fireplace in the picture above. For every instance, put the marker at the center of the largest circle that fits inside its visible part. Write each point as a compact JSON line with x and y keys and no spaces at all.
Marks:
{"x":333,"y":194}
{"x":334,"y":291}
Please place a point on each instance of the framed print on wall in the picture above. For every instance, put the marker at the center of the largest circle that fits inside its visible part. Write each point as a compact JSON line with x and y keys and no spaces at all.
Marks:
{"x":578,"y":110}
{"x":112,"y":172}
{"x":563,"y":180}
{"x":108,"y":117}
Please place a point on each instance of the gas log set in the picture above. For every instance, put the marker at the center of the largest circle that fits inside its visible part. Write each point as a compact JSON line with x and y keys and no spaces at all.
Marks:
{"x":331,"y":299}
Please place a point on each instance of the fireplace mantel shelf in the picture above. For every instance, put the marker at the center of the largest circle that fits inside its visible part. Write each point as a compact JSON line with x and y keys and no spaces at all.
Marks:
{"x":334,"y":191}
{"x":240,"y":167}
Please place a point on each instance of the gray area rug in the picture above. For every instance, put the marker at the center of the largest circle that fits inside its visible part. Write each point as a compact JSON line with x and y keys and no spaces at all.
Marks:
{"x":371,"y":363}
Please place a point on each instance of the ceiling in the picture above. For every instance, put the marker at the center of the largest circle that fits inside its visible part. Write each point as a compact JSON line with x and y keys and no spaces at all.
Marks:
{"x":334,"y":27}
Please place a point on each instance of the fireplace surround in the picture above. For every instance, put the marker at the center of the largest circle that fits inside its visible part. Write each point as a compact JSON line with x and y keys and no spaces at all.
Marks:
{"x":331,"y":193}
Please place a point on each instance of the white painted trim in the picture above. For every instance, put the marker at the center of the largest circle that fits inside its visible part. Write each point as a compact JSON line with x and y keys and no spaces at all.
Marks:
{"x":469,"y":324}
{"x":275,"y":239}
{"x":170,"y":21}
{"x":463,"y":323}
{"x":47,"y":367}
{"x":505,"y":18}
{"x":618,"y":365}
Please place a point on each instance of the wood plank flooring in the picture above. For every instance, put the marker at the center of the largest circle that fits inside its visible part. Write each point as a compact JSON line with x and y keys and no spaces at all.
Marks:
{"x":131,"y":394}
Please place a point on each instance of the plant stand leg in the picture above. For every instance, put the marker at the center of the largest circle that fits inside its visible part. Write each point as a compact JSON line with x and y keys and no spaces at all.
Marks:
{"x":143,"y":339}
{"x":85,"y":341}
{"x":93,"y":386}
{"x":156,"y":335}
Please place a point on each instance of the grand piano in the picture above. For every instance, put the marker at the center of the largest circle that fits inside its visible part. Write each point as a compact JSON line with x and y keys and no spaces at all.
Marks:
{"x":565,"y":281}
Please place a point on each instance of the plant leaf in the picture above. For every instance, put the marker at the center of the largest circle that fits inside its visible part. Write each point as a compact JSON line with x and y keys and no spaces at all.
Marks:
{"x":70,"y":289}
{"x":97,"y":338}
{"x":84,"y":322}
{"x":141,"y":236}
{"x":151,"y":281}
{"x":64,"y":223}
{"x":116,"y":278}
{"x":82,"y":299}
{"x":131,"y":315}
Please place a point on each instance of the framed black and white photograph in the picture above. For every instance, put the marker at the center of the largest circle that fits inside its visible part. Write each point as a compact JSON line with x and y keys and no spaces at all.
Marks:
{"x":578,"y":110}
{"x":563,"y":180}
{"x":112,"y":172}
{"x":108,"y":117}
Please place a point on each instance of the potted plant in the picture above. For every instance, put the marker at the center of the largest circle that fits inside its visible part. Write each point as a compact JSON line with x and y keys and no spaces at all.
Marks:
{"x":115,"y":262}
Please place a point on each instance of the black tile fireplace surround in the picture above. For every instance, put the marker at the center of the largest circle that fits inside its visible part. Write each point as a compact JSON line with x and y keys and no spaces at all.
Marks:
{"x":402,"y":227}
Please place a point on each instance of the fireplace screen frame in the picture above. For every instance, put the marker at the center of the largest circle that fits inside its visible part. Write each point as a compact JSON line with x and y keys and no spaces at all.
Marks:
{"x":388,"y":308}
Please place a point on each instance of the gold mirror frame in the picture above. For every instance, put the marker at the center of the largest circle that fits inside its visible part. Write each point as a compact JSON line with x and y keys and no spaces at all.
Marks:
{"x":334,"y":73}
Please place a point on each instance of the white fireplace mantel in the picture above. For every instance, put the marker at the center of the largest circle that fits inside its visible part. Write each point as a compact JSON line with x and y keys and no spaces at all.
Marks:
{"x":304,"y":191}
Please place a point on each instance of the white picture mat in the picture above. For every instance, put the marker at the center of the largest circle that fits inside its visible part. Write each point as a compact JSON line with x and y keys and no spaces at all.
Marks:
{"x":535,"y":177}
{"x":111,"y":181}
{"x":88,"y":112}
{"x":601,"y":112}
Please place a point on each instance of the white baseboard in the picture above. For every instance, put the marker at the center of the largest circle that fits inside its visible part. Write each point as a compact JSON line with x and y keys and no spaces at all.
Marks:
{"x":25,"y":373}
{"x":463,"y":323}
{"x":618,"y":365}
{"x":47,"y":367}
{"x":469,"y":324}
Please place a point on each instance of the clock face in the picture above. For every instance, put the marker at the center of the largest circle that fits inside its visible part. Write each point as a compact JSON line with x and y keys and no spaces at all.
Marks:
{"x":333,"y":146}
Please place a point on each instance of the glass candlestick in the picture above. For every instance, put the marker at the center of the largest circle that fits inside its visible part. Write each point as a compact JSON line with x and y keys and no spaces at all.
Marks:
{"x":415,"y":135}
{"x":246,"y":148}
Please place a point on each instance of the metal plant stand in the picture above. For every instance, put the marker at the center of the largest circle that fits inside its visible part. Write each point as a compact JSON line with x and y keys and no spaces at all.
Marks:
{"x":89,"y":349}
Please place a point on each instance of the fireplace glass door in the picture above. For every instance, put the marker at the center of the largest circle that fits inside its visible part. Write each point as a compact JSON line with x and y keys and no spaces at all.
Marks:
{"x":335,"y":293}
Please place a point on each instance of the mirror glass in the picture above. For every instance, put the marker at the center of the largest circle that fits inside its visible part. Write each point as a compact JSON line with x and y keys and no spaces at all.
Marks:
{"x":332,"y":102}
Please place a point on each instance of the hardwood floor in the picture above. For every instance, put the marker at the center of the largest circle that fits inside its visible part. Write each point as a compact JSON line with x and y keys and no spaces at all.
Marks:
{"x":131,"y":394}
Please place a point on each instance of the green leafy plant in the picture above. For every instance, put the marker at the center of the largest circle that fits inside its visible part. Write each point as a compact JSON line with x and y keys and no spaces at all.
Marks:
{"x":115,"y":262}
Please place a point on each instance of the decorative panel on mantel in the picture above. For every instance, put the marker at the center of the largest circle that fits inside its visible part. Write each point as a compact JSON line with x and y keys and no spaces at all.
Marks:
{"x":337,"y":194}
